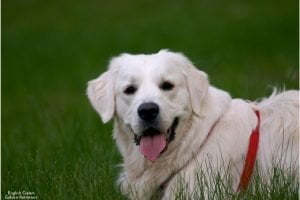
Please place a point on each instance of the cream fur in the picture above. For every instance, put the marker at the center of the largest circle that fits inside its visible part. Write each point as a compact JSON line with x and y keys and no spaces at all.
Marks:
{"x":200,"y":107}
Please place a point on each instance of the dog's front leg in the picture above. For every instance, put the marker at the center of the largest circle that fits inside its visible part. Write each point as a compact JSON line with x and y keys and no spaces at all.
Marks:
{"x":205,"y":180}
{"x":137,"y":188}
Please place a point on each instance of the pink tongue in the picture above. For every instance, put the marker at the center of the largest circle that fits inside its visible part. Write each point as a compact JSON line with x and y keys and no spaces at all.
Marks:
{"x":152,"y":146}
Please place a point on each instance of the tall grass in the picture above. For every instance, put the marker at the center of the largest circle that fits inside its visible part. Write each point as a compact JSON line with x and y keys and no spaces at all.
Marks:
{"x":280,"y":185}
{"x":210,"y":180}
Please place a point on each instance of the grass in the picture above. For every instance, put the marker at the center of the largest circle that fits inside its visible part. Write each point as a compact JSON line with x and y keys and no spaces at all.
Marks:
{"x":279,"y":182}
{"x":53,"y":143}
{"x":281,"y":186}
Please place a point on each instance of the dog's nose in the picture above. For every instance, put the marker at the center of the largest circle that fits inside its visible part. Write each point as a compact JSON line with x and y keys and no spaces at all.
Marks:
{"x":148,"y":111}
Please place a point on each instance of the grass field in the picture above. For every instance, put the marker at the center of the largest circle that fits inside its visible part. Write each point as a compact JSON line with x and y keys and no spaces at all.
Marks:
{"x":53,"y":143}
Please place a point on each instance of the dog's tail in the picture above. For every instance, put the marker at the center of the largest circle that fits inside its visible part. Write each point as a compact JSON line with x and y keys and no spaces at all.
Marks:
{"x":282,"y":106}
{"x":280,"y":130}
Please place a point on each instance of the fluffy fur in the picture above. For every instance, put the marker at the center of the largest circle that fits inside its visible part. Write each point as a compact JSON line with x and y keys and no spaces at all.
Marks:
{"x":213,"y":128}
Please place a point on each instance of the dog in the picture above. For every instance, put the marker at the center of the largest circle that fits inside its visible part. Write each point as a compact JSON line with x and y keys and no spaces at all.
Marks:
{"x":170,"y":124}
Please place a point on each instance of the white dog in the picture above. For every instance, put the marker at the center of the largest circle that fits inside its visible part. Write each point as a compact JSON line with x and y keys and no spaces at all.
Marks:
{"x":169,"y":124}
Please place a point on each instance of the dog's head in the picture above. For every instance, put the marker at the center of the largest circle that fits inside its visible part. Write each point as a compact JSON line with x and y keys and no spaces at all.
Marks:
{"x":150,"y":95}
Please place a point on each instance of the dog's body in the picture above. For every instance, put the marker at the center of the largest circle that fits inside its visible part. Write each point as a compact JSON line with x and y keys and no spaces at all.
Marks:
{"x":170,"y":124}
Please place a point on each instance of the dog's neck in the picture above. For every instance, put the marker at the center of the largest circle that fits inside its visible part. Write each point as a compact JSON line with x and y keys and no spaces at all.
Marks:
{"x":187,"y":163}
{"x":214,"y":105}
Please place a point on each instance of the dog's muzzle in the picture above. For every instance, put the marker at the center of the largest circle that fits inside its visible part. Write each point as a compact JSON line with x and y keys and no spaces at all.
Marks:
{"x":153,"y":142}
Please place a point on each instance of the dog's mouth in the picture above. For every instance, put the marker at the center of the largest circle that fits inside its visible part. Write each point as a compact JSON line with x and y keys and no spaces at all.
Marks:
{"x":153,"y":142}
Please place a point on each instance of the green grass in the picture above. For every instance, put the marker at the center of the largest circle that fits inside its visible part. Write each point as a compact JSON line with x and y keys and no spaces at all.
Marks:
{"x":280,"y":186}
{"x":53,"y":143}
{"x":281,"y":183}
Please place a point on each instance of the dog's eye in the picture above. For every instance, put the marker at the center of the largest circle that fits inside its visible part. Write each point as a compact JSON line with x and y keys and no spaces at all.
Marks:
{"x":166,"y":86}
{"x":130,"y":90}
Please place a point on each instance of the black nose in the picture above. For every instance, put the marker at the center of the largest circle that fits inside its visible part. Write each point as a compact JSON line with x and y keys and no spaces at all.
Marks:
{"x":148,"y":111}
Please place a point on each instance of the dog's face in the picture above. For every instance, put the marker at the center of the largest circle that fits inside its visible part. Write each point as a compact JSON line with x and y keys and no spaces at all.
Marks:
{"x":150,"y":95}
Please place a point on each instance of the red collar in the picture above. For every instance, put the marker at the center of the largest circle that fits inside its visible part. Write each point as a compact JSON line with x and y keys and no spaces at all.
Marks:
{"x":251,"y":156}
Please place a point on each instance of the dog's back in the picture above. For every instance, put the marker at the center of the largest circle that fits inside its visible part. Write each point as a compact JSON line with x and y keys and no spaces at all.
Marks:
{"x":279,"y":132}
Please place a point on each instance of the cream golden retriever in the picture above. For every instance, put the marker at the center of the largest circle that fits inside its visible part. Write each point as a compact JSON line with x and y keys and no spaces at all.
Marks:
{"x":170,"y":123}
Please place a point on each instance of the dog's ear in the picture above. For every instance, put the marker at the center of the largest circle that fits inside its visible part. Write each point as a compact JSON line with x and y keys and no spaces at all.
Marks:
{"x":196,"y":80}
{"x":101,"y":94}
{"x":197,"y":83}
